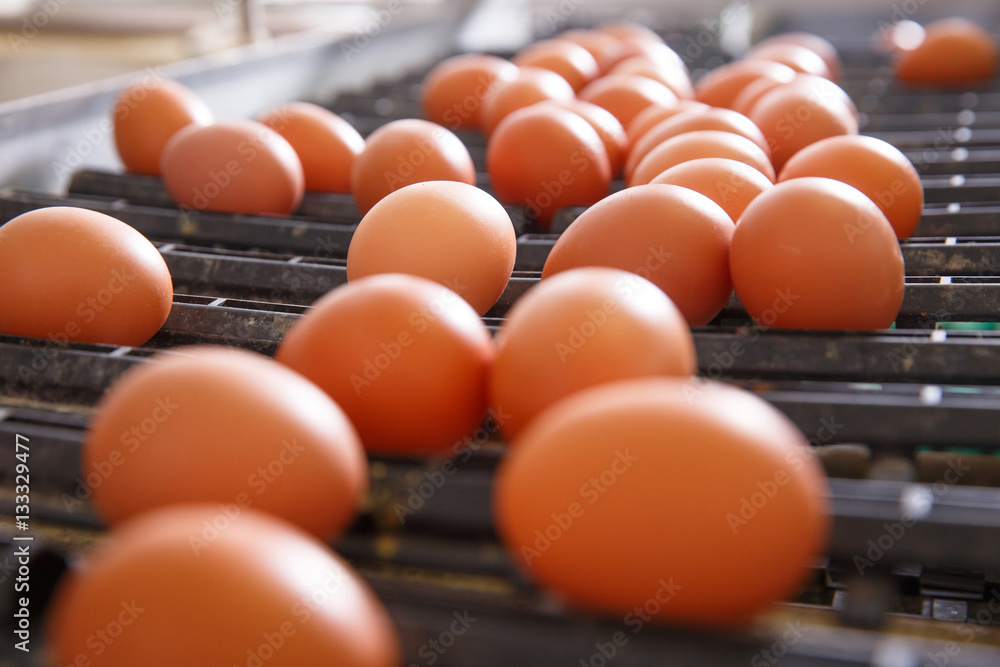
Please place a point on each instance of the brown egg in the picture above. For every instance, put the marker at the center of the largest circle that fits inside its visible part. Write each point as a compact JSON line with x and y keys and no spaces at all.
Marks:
{"x":582,"y":328}
{"x":326,"y":144}
{"x":694,"y":145}
{"x":954,"y":52}
{"x":631,"y":33}
{"x":532,"y":85}
{"x":720,"y":87}
{"x":871,"y":165}
{"x":238,"y":166}
{"x":570,"y":61}
{"x":452,"y":233}
{"x":755,"y":90}
{"x":655,"y":114}
{"x":723,"y":120}
{"x":674,"y":78}
{"x":675,"y":237}
{"x":814,"y":43}
{"x":453,"y":92}
{"x":406,"y":358}
{"x":147,"y":114}
{"x":204,"y":586}
{"x":607,"y":126}
{"x":545,"y":159}
{"x":799,"y":58}
{"x":220,"y":425}
{"x":626,"y":95}
{"x":664,"y":499}
{"x":794,"y":116}
{"x":729,"y":183}
{"x":404,"y":152}
{"x":607,"y":50}
{"x":842,"y":270}
{"x":78,"y":276}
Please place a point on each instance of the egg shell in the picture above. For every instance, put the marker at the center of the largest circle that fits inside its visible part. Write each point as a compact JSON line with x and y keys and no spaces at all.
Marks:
{"x":581,"y":328}
{"x":406,"y":358}
{"x":607,"y":50}
{"x":75,"y":275}
{"x":204,"y":586}
{"x":570,"y":61}
{"x":675,"y":237}
{"x":626,"y":95}
{"x":146,"y":115}
{"x":453,"y":91}
{"x":607,"y":126}
{"x":720,"y":86}
{"x":821,"y":47}
{"x":674,"y":78}
{"x":695,"y":502}
{"x":700,"y":144}
{"x":729,"y":183}
{"x":237,"y":166}
{"x":814,"y":253}
{"x":653,"y":115}
{"x":452,"y":233}
{"x":954,"y":52}
{"x":532,"y":85}
{"x":799,"y":58}
{"x":325,"y":143}
{"x":219,"y":425}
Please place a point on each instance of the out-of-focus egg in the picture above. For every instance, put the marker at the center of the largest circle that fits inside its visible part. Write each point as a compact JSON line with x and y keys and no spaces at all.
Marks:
{"x":655,"y":114}
{"x":532,"y":85}
{"x":814,"y":253}
{"x":452,"y":233}
{"x":626,"y":95}
{"x":607,"y":50}
{"x":607,"y":126}
{"x":404,"y":152}
{"x":547,"y":158}
{"x":326,"y":144}
{"x":954,"y":52}
{"x":220,"y":425}
{"x":822,"y":92}
{"x":723,"y":120}
{"x":674,"y":237}
{"x":570,"y":61}
{"x":755,"y":90}
{"x":659,"y":498}
{"x":729,"y":183}
{"x":78,"y":276}
{"x":720,"y":87}
{"x":871,"y":165}
{"x":794,"y":116}
{"x":821,"y":47}
{"x":901,"y":35}
{"x":694,"y":145}
{"x":453,"y":92}
{"x":799,"y":58}
{"x":406,"y":358}
{"x":204,"y":586}
{"x":238,"y":166}
{"x":582,"y":328}
{"x":631,"y":32}
{"x":147,"y":114}
{"x":674,"y":78}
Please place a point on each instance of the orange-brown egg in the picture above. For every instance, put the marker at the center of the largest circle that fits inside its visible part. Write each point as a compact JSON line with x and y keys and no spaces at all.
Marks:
{"x":729,"y":183}
{"x":799,"y":58}
{"x":720,"y":87}
{"x":406,"y":358}
{"x":655,"y":114}
{"x":610,"y":130}
{"x":452,"y":233}
{"x":220,"y":425}
{"x":626,"y":95}
{"x":238,"y":166}
{"x":147,"y":114}
{"x":581,"y":328}
{"x":326,"y":144}
{"x":453,"y":92}
{"x":694,"y":145}
{"x":755,"y":90}
{"x":871,"y":165}
{"x":209,"y":585}
{"x":546,"y":159}
{"x":723,"y":120}
{"x":607,"y":50}
{"x":570,"y":61}
{"x":675,"y":237}
{"x":821,"y":47}
{"x":685,"y":501}
{"x":794,"y":116}
{"x":78,"y":276}
{"x":404,"y":152}
{"x":954,"y":52}
{"x":532,"y":85}
{"x":814,"y":253}
{"x":674,"y":78}
{"x":631,"y":32}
